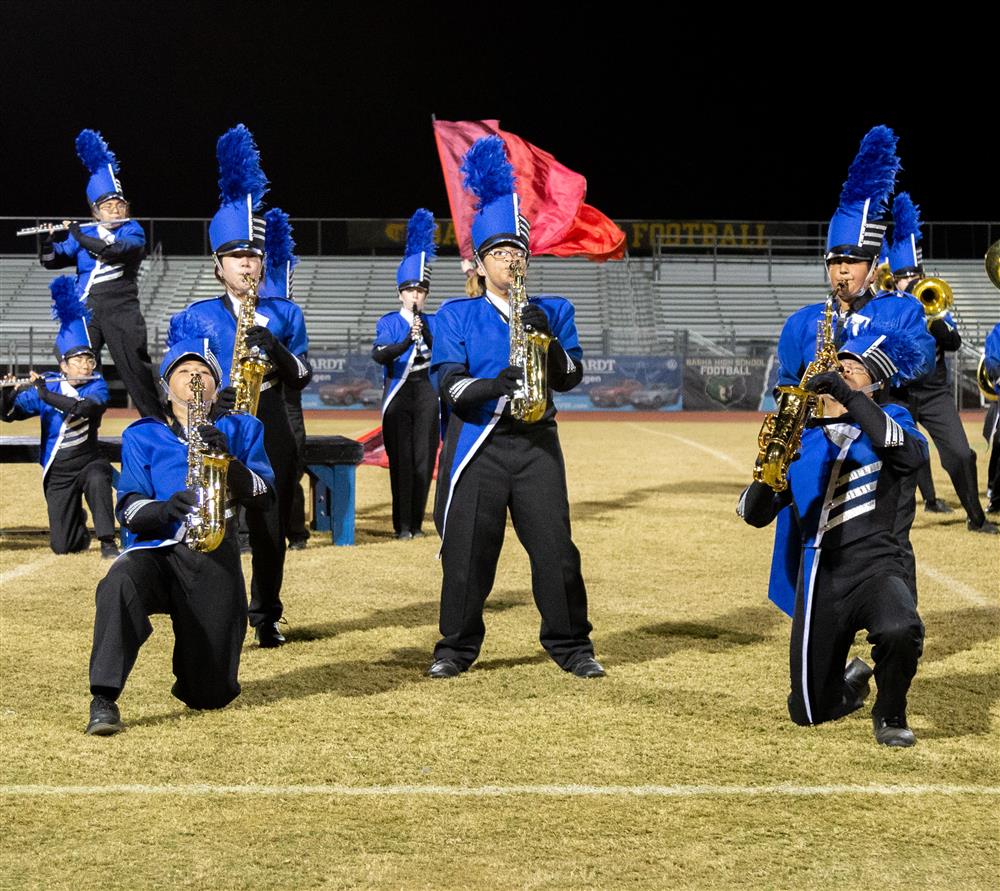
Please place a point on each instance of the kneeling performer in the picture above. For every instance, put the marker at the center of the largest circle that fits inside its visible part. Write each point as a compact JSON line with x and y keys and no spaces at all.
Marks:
{"x":173,"y":564}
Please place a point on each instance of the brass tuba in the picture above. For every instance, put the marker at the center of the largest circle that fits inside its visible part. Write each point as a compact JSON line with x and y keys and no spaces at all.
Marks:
{"x":986,"y":386}
{"x":206,"y":477}
{"x":781,"y":433}
{"x":992,"y":261}
{"x":935,"y":295}
{"x":529,"y":350}
{"x":249,"y":365}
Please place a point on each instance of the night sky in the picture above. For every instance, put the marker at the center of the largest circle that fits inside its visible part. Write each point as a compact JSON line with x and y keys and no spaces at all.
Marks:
{"x":341,"y":104}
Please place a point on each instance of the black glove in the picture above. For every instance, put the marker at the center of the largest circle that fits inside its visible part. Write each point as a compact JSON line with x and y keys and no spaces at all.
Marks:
{"x":214,"y":438}
{"x":832,"y":383}
{"x":534,"y":316}
{"x":506,"y":382}
{"x":262,"y":338}
{"x":225,"y":401}
{"x":177,"y":507}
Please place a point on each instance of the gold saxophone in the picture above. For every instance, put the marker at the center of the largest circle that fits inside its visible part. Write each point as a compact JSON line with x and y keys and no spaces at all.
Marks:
{"x":781,"y":433}
{"x":529,"y":351}
{"x":249,"y":365}
{"x":206,"y":477}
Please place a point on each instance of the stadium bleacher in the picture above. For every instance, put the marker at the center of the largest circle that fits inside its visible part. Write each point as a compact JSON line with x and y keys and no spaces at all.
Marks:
{"x":629,"y":306}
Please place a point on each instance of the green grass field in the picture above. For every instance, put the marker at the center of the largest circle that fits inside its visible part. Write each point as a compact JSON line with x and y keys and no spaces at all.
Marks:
{"x":341,"y":766}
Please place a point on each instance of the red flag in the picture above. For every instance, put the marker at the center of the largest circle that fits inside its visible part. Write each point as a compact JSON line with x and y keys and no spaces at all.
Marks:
{"x":375,"y":454}
{"x":551,"y":195}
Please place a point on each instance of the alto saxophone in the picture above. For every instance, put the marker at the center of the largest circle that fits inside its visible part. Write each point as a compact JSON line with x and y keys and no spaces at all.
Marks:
{"x":249,"y":365}
{"x":781,"y":433}
{"x":529,"y":351}
{"x":206,"y":477}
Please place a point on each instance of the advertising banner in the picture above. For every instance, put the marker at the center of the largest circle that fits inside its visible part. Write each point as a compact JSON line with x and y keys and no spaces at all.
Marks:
{"x":723,"y":383}
{"x":626,"y":383}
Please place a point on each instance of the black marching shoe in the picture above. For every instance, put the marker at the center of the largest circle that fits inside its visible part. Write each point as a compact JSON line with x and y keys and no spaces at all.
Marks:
{"x":986,"y":527}
{"x":444,"y":668}
{"x":993,"y":507}
{"x":418,"y":533}
{"x":587,"y":667}
{"x":297,"y":544}
{"x":105,"y":719}
{"x":109,"y":550}
{"x":893,"y":732}
{"x":857,"y":680}
{"x":404,"y":535}
{"x":937,"y":506}
{"x":268,"y":635}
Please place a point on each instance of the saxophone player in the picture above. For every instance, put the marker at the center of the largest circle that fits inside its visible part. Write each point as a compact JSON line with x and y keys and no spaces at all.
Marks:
{"x":492,"y":462}
{"x":846,"y":493}
{"x":203,"y":592}
{"x":278,"y":331}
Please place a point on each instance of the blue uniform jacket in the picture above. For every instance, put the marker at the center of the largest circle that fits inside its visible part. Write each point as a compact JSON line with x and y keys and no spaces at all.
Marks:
{"x":60,"y":431}
{"x":992,"y":353}
{"x":797,"y":343}
{"x":394,"y":328}
{"x":155,"y":464}
{"x":473,"y":333}
{"x":843,"y":488}
{"x":283,"y":318}
{"x":125,"y":246}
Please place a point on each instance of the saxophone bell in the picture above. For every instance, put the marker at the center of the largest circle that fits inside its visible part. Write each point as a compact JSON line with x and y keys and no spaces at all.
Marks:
{"x":206,"y":476}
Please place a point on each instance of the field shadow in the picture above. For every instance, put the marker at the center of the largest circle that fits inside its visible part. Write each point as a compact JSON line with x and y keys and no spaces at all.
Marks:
{"x":635,"y":499}
{"x":957,"y":705}
{"x":959,"y":630}
{"x":742,"y":627}
{"x":409,"y":615}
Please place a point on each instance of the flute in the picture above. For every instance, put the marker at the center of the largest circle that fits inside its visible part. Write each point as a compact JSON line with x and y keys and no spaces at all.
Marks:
{"x":49,"y":228}
{"x":54,"y":378}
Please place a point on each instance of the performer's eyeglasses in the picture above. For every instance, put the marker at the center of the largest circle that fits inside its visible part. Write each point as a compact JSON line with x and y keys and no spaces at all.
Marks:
{"x":502,"y":254}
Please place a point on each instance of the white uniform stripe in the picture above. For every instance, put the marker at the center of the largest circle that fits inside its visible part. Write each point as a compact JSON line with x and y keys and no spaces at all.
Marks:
{"x":865,"y":508}
{"x":851,"y":494}
{"x":860,"y":472}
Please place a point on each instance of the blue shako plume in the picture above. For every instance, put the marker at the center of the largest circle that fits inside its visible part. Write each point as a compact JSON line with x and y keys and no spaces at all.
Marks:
{"x":94,"y":152}
{"x":240,"y":173}
{"x":905,"y":219}
{"x":488,"y":173}
{"x":66,"y":306}
{"x":188,"y":326}
{"x":872,"y":173}
{"x":891,"y":339}
{"x":420,"y":235}
{"x":279,"y":246}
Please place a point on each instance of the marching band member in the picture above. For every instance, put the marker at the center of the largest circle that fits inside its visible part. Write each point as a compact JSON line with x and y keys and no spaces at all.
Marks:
{"x":854,"y":239}
{"x":845,"y":493}
{"x":279,"y":263}
{"x":202,"y":591}
{"x":238,"y":240}
{"x":410,"y":409}
{"x":70,"y":410}
{"x":929,"y":400}
{"x":107,"y":254}
{"x":991,"y":425}
{"x":492,"y":462}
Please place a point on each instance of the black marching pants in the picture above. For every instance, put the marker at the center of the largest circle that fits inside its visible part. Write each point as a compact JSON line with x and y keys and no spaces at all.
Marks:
{"x":268,"y":528}
{"x":934,"y":408}
{"x":119,"y":323}
{"x":411,"y":433}
{"x":841,"y":606}
{"x":66,"y":483}
{"x":204,"y":596}
{"x":520,"y":470}
{"x":297,"y":529}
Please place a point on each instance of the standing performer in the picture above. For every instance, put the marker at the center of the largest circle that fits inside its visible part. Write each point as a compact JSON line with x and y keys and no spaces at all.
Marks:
{"x":845,"y":493}
{"x":162,"y":570}
{"x":929,"y":400}
{"x":491,"y":461}
{"x":279,"y":263}
{"x":278,"y":333}
{"x":70,"y":411}
{"x":991,"y":425}
{"x":410,"y":409}
{"x":107,"y":254}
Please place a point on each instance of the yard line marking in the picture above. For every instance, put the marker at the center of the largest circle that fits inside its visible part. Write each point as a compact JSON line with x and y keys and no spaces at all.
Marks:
{"x":977,"y":598}
{"x":572,"y":790}
{"x":722,"y":456}
{"x":27,"y":568}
